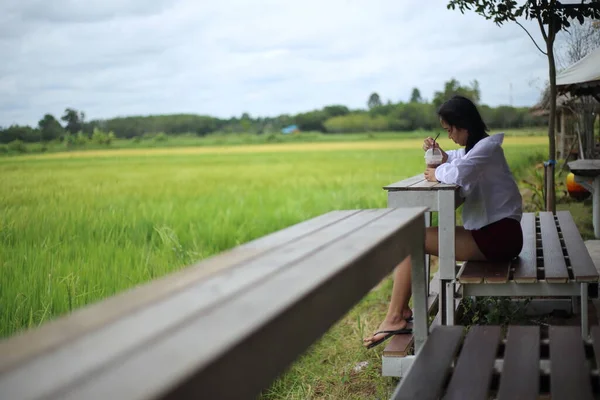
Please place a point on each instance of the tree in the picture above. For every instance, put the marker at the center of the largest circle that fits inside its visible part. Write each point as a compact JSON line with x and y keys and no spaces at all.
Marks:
{"x":579,"y":42}
{"x":374,"y":100}
{"x":552,"y":17}
{"x":74,"y":120}
{"x":50,"y":128}
{"x":336,"y":110}
{"x":415,"y":96}
{"x":453,"y":87}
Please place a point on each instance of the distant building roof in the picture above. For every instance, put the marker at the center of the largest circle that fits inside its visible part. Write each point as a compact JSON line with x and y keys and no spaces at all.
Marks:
{"x":290,"y":129}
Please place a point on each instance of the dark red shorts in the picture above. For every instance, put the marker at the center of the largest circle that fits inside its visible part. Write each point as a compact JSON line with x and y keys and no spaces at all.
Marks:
{"x":501,"y":240}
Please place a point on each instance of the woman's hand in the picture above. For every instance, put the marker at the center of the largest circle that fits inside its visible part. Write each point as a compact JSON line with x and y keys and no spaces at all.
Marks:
{"x":428,"y":143}
{"x":430,"y":175}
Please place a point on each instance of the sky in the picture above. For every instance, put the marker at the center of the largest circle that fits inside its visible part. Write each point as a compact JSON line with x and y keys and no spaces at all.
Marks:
{"x":113,"y":58}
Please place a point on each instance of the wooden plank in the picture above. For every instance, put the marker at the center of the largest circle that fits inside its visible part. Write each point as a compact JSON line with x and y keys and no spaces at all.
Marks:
{"x":595,"y":335}
{"x":405,"y":182}
{"x":68,"y":328}
{"x":484,"y":271}
{"x":585,"y":167}
{"x":526,"y":264}
{"x":229,"y":330}
{"x":416,"y":183}
{"x":520,"y":377}
{"x":581,"y":261}
{"x":473,"y":372}
{"x":429,"y":370}
{"x":569,"y":372}
{"x":158,"y":317}
{"x":425,"y":184}
{"x":400,"y":345}
{"x":555,"y":268}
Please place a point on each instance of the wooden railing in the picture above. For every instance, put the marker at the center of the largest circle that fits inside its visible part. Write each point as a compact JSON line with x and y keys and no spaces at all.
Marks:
{"x":222,"y":329}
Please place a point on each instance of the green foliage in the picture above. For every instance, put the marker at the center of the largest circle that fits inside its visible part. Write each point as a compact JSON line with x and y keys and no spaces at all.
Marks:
{"x":357,"y":123}
{"x":501,"y":11}
{"x":312,"y":121}
{"x":415,"y":96}
{"x":374,"y":101}
{"x":453,"y":87}
{"x":50,"y":128}
{"x":102,"y":138}
{"x":492,"y":311}
{"x":17,"y":146}
{"x":74,"y":120}
{"x":161,"y":137}
{"x":78,"y":139}
{"x":17,"y":132}
{"x":534,"y":183}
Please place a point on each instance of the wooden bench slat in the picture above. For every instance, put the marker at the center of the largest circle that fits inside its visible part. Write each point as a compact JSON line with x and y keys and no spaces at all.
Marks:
{"x":101,"y":345}
{"x":555,"y":268}
{"x":399,"y":345}
{"x":223,"y":329}
{"x":405,"y":182}
{"x":581,"y":261}
{"x":595,"y":335}
{"x":431,"y":366}
{"x":520,"y":371}
{"x":526,"y":264}
{"x":484,"y":271}
{"x":569,"y":373}
{"x":418,"y":182}
{"x":424,"y":184}
{"x":473,"y":372}
{"x":64,"y":330}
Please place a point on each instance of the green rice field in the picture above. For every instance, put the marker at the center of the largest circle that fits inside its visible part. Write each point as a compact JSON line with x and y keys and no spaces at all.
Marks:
{"x":78,"y":227}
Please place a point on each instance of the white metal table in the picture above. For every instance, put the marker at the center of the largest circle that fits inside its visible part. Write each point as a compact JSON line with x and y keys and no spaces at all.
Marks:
{"x":587,"y":174}
{"x":443,"y":198}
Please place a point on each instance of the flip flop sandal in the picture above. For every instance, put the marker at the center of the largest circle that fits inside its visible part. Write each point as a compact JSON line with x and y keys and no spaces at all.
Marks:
{"x":388,"y":335}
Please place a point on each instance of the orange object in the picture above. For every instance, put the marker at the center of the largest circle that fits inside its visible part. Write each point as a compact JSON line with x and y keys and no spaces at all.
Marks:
{"x":575,"y":190}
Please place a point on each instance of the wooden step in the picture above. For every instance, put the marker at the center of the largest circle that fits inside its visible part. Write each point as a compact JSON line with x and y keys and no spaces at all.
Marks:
{"x":484,"y":272}
{"x":401,"y":345}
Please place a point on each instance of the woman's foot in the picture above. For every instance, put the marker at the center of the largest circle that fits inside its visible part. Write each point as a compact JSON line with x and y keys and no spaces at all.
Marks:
{"x":407,"y":314}
{"x":387,"y":325}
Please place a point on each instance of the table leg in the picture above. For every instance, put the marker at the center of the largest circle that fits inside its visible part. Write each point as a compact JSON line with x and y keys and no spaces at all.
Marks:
{"x":593,"y":185}
{"x":584,"y":311}
{"x":418,"y":285}
{"x":596,"y":207}
{"x":447,"y":257}
{"x":428,"y":216}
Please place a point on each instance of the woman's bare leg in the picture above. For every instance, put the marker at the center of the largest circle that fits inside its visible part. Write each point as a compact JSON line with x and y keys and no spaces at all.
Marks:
{"x":398,"y":310}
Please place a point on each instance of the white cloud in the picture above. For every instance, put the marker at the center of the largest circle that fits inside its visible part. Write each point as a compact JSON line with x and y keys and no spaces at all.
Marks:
{"x":266,"y":57}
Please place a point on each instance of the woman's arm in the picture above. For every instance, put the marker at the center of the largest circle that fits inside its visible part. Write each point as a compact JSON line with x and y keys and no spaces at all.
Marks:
{"x":465,"y":171}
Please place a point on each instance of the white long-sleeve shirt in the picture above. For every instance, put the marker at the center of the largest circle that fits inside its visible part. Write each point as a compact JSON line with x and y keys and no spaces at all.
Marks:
{"x":488,"y":186}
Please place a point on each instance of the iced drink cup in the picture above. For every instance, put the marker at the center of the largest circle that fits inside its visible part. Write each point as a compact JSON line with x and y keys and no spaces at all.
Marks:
{"x":433,"y":157}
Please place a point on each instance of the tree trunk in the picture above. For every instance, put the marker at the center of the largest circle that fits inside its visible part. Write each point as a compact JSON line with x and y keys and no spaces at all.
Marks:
{"x":550,"y":191}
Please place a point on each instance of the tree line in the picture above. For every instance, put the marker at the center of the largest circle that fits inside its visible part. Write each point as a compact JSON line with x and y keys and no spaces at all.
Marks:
{"x":417,"y":113}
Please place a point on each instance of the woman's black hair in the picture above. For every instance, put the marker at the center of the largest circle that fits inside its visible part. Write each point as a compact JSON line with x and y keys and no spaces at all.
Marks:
{"x":460,"y":112}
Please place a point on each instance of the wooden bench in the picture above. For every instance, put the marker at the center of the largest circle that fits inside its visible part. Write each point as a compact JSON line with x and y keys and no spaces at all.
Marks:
{"x":554,"y":262}
{"x":483,"y":364}
{"x":222,"y":329}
